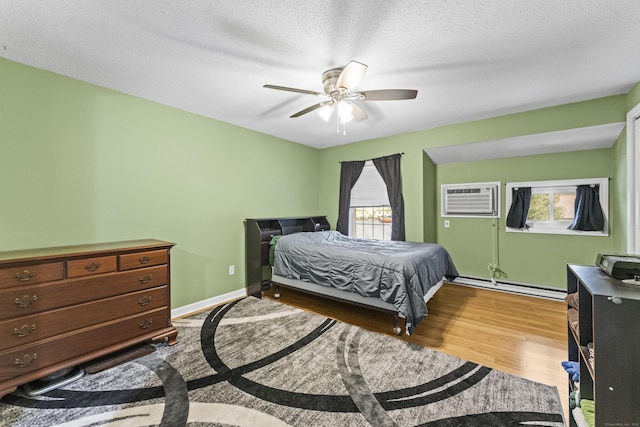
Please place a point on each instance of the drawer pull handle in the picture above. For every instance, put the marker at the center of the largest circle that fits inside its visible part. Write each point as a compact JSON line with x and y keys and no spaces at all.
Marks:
{"x":144,"y":301}
{"x":146,"y":278}
{"x":25,"y":275}
{"x":144,"y":259}
{"x":145,"y":323}
{"x":26,"y":360}
{"x":93,"y":266}
{"x":24,"y":330}
{"x":25,"y":301}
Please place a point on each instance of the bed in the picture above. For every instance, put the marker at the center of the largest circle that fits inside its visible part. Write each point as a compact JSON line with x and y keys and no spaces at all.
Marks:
{"x":392,"y":276}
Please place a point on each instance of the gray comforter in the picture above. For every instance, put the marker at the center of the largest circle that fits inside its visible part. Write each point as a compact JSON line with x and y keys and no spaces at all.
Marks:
{"x":400,"y":273}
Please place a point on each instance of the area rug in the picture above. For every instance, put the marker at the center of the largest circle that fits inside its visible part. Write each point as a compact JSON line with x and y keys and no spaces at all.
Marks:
{"x":256,"y":362}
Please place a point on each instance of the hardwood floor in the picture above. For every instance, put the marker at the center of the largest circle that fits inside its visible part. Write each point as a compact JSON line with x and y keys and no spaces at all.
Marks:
{"x":521,"y":335}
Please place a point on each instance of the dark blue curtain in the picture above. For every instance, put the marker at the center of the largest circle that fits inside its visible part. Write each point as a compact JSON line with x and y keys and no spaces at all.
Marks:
{"x":389,"y":169}
{"x":520,"y":201}
{"x":588,"y":214}
{"x":349,"y":174}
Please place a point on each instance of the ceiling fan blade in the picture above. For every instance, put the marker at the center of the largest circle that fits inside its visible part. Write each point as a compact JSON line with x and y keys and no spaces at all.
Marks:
{"x":351,"y":75}
{"x":307,"y":110}
{"x":292,"y":89}
{"x":357,"y":112}
{"x":389,"y":94}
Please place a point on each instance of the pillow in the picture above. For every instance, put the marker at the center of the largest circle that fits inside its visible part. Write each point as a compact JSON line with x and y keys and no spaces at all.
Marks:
{"x":572,"y":300}
{"x":272,"y":248}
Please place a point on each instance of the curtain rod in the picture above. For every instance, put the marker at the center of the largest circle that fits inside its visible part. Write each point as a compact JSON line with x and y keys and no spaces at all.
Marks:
{"x":340,"y":161}
{"x":608,"y":178}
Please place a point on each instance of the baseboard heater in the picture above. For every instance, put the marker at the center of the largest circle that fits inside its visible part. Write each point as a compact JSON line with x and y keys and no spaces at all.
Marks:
{"x":512,"y":287}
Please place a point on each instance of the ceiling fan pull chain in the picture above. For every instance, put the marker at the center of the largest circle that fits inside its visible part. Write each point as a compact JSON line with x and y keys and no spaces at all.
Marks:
{"x":338,"y":123}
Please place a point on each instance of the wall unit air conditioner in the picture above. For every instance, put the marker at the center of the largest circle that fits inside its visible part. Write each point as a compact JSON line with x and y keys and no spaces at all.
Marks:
{"x":471,"y":200}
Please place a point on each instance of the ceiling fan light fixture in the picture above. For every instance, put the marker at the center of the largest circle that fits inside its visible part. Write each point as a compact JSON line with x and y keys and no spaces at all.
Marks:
{"x":325,"y":112}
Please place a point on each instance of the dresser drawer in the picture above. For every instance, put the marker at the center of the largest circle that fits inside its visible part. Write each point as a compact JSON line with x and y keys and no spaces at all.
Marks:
{"x":29,"y":274}
{"x":89,"y":266}
{"x":22,"y":360}
{"x":24,"y":330}
{"x":143,"y":259}
{"x":38,"y":298}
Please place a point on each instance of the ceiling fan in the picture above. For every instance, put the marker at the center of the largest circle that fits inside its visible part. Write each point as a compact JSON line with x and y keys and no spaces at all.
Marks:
{"x":339,"y":85}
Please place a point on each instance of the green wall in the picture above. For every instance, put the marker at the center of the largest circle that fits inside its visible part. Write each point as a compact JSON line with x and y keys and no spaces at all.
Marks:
{"x":633,"y":97}
{"x":83,"y":164}
{"x":473,"y":243}
{"x":524,"y":257}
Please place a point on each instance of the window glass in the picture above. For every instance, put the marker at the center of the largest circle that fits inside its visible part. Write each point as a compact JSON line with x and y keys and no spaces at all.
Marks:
{"x":564,"y":205}
{"x":539,"y":207}
{"x":551,"y":205}
{"x":370,"y":209}
{"x":371,"y":222}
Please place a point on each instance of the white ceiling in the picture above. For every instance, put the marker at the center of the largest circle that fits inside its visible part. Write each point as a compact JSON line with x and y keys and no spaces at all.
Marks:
{"x":586,"y":138}
{"x":468,"y":59}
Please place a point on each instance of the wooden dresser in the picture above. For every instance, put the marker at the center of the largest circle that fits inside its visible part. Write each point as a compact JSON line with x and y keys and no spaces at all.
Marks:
{"x":64,"y":306}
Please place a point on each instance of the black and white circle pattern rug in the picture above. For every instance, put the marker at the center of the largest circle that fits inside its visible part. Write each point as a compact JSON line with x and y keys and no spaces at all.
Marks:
{"x":261,"y":363}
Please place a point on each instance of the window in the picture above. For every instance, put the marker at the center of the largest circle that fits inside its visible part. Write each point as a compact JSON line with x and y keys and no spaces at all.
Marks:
{"x":371,"y":222}
{"x":552,"y":206}
{"x":551,"y":210}
{"x":370,"y":211}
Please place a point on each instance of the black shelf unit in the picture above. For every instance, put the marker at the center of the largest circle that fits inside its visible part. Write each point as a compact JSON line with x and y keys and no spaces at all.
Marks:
{"x":258,"y":234}
{"x":609,"y":318}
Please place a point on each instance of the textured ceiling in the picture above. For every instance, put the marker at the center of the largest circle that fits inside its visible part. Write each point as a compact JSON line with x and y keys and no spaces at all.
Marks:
{"x":468,"y":59}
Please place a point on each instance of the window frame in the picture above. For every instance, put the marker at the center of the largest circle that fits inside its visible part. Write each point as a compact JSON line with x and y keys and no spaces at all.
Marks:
{"x":633,"y":181}
{"x":542,"y":228}
{"x":370,"y":168}
{"x":385,"y":227}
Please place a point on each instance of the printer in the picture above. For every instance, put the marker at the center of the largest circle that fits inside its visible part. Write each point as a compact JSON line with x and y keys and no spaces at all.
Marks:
{"x":619,"y":266}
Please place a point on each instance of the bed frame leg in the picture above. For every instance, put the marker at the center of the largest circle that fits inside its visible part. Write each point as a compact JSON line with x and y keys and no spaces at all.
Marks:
{"x":396,"y":325}
{"x":276,"y":294}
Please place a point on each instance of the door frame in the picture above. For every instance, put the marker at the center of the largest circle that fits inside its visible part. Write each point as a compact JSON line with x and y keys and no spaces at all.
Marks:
{"x":633,"y":181}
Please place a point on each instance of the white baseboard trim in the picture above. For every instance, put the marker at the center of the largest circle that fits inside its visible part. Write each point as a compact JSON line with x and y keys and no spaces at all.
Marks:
{"x":188,"y":309}
{"x":514,"y":288}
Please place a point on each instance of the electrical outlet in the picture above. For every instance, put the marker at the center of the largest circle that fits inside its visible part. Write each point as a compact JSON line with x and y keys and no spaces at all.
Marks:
{"x":446,"y":223}
{"x":232,"y":270}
